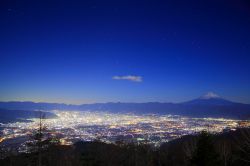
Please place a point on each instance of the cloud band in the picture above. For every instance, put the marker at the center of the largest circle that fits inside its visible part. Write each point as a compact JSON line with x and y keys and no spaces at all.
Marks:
{"x":129,"y":78}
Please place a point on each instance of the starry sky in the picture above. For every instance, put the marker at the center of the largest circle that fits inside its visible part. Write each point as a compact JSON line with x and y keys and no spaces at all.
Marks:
{"x":127,"y":50}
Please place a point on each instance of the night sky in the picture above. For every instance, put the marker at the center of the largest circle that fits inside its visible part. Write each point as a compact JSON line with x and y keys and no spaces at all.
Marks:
{"x":130,"y":51}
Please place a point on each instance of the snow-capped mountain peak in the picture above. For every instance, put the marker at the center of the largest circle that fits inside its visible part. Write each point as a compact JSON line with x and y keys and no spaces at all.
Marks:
{"x":210,"y":99}
{"x":210,"y":95}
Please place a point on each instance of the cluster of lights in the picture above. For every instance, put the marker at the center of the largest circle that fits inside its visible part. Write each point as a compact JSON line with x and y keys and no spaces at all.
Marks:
{"x":110,"y":127}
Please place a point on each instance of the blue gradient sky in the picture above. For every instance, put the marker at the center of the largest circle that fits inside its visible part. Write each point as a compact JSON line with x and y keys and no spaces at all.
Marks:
{"x":68,"y":51}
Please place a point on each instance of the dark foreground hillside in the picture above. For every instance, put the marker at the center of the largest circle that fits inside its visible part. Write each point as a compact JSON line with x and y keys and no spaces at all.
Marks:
{"x":227,"y":149}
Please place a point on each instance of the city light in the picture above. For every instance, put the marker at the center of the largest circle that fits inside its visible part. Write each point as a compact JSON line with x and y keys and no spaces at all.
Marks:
{"x":108,"y":127}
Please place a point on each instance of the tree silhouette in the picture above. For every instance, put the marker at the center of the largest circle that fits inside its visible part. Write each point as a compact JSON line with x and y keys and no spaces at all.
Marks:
{"x":41,"y":140}
{"x":243,"y":147}
{"x":205,"y":154}
{"x":225,"y":150}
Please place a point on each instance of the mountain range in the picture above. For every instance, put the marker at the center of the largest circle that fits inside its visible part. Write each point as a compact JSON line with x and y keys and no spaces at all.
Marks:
{"x":208,"y":105}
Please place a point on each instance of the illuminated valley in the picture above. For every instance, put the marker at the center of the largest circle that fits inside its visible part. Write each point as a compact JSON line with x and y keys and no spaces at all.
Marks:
{"x":72,"y":126}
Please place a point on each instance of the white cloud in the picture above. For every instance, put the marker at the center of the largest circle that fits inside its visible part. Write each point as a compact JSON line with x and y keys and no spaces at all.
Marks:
{"x":128,"y":77}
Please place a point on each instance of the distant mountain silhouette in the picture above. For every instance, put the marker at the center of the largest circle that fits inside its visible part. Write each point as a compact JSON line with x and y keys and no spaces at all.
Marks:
{"x":210,"y":99}
{"x":208,"y":105}
{"x":7,"y":116}
{"x":16,"y":105}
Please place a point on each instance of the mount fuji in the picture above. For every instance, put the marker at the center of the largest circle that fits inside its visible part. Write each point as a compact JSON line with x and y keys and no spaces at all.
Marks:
{"x":210,"y":98}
